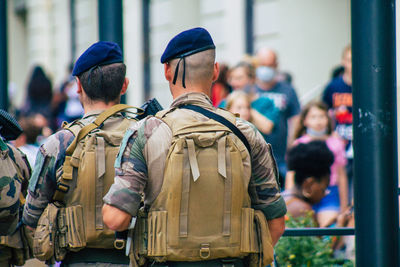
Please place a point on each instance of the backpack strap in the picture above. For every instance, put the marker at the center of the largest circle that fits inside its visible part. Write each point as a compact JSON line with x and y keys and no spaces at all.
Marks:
{"x":100,"y":119}
{"x":64,"y":183}
{"x":221,"y":120}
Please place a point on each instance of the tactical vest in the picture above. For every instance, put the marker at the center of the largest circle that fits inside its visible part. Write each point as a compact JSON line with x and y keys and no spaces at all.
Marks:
{"x":88,"y":173}
{"x":11,"y":173}
{"x":203,"y":211}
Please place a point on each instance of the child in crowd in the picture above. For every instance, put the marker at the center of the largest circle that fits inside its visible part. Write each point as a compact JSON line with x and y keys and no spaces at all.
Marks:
{"x":242,"y":76}
{"x":310,"y":164}
{"x":239,"y":102}
{"x":315,"y":124}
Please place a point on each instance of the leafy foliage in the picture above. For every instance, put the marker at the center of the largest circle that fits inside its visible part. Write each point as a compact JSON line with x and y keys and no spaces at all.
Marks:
{"x":306,"y":250}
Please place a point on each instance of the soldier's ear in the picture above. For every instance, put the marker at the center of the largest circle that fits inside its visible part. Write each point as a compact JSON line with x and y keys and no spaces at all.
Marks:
{"x":125,"y":86}
{"x":79,"y":87}
{"x":167,"y":72}
{"x":215,"y":72}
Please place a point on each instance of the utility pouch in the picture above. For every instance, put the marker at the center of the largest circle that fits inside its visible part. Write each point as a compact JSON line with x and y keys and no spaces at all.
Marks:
{"x":157,"y":238}
{"x":76,"y":228}
{"x":140,"y":239}
{"x":266,"y":253}
{"x":248,"y":242}
{"x":45,"y":234}
{"x":61,"y":243}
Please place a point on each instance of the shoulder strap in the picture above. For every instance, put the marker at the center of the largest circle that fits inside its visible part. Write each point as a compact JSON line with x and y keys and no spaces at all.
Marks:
{"x":221,"y":120}
{"x":64,"y":182}
{"x":88,"y":128}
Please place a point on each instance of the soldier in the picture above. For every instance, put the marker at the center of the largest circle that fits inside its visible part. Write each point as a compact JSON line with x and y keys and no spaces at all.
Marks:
{"x":73,"y":166}
{"x":15,"y":172}
{"x":202,"y":180}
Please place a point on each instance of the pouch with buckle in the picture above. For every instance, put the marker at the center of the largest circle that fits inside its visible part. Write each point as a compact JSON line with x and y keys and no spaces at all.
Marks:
{"x":45,"y":234}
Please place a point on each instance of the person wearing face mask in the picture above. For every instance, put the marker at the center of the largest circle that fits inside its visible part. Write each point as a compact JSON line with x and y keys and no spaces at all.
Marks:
{"x":285,"y":99}
{"x":239,"y":102}
{"x":315,"y":124}
{"x":310,"y":164}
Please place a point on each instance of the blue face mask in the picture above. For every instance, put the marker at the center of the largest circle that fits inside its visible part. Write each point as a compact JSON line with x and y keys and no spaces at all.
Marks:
{"x":265,"y":74}
{"x":314,"y":133}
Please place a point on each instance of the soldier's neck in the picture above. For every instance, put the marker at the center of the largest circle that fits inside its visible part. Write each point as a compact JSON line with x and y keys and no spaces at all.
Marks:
{"x":97,"y":106}
{"x":178,"y":91}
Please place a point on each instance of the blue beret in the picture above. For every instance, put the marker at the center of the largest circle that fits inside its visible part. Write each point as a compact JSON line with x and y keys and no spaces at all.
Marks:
{"x":188,"y":43}
{"x":100,"y":53}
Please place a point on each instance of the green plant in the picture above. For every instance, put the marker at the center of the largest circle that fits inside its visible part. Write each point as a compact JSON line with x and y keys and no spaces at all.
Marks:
{"x":305,"y":250}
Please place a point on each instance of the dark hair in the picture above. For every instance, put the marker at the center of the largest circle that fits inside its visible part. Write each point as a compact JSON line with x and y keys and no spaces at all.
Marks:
{"x":104,"y":83}
{"x":337,"y":72}
{"x":39,"y":86}
{"x":300,"y":129}
{"x":31,"y":130}
{"x":223,"y":76}
{"x":313,"y":159}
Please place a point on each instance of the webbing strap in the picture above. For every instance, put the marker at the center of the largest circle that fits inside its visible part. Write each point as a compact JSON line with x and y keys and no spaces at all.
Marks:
{"x":66,"y":179}
{"x":99,"y":120}
{"x":184,"y":210}
{"x":101,"y":170}
{"x":221,"y":156}
{"x":193,"y":160}
{"x":226,"y":231}
{"x":221,"y":120}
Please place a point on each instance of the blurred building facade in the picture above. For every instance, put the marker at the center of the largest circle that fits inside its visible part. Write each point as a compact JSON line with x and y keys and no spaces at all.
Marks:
{"x":308,"y":35}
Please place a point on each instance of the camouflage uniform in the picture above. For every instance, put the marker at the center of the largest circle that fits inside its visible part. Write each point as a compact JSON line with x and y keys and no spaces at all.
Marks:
{"x":48,"y":169}
{"x":13,"y":183}
{"x":141,"y":161}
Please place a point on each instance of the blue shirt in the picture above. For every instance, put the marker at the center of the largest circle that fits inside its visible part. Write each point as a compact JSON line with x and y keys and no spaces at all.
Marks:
{"x":338,"y":97}
{"x":285,"y":99}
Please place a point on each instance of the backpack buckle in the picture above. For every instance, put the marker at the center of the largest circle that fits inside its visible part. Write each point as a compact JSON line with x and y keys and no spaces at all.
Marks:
{"x":119,"y":243}
{"x":205,"y":251}
{"x":62,"y":187}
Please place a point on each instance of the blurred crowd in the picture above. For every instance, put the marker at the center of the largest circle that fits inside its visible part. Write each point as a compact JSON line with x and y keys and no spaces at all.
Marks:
{"x":44,"y":109}
{"x":312,"y":144}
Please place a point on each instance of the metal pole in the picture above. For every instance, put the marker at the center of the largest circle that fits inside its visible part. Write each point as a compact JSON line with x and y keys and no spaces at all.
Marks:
{"x":375,"y":132}
{"x":146,"y":48}
{"x":72,"y":16}
{"x":111,"y":24}
{"x":3,"y":56}
{"x":249,"y":21}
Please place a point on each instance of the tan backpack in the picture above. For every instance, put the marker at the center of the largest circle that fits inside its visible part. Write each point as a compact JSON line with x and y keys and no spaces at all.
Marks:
{"x":88,"y":173}
{"x":203,"y":211}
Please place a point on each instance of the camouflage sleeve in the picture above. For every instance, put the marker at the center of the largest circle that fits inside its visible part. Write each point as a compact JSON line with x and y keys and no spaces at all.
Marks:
{"x":48,"y":167}
{"x":11,"y":183}
{"x":9,"y":204}
{"x":131,"y":172}
{"x":263,"y":187}
{"x":22,"y":163}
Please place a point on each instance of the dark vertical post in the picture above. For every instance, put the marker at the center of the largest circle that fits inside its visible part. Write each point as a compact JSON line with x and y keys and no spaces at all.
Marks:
{"x":111,"y":23}
{"x":3,"y":56}
{"x":375,"y":132}
{"x":72,"y":16}
{"x":146,"y":48}
{"x":249,"y":26}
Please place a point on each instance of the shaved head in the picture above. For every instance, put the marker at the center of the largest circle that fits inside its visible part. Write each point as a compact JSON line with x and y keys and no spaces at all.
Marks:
{"x":199,"y":67}
{"x":267,"y":57}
